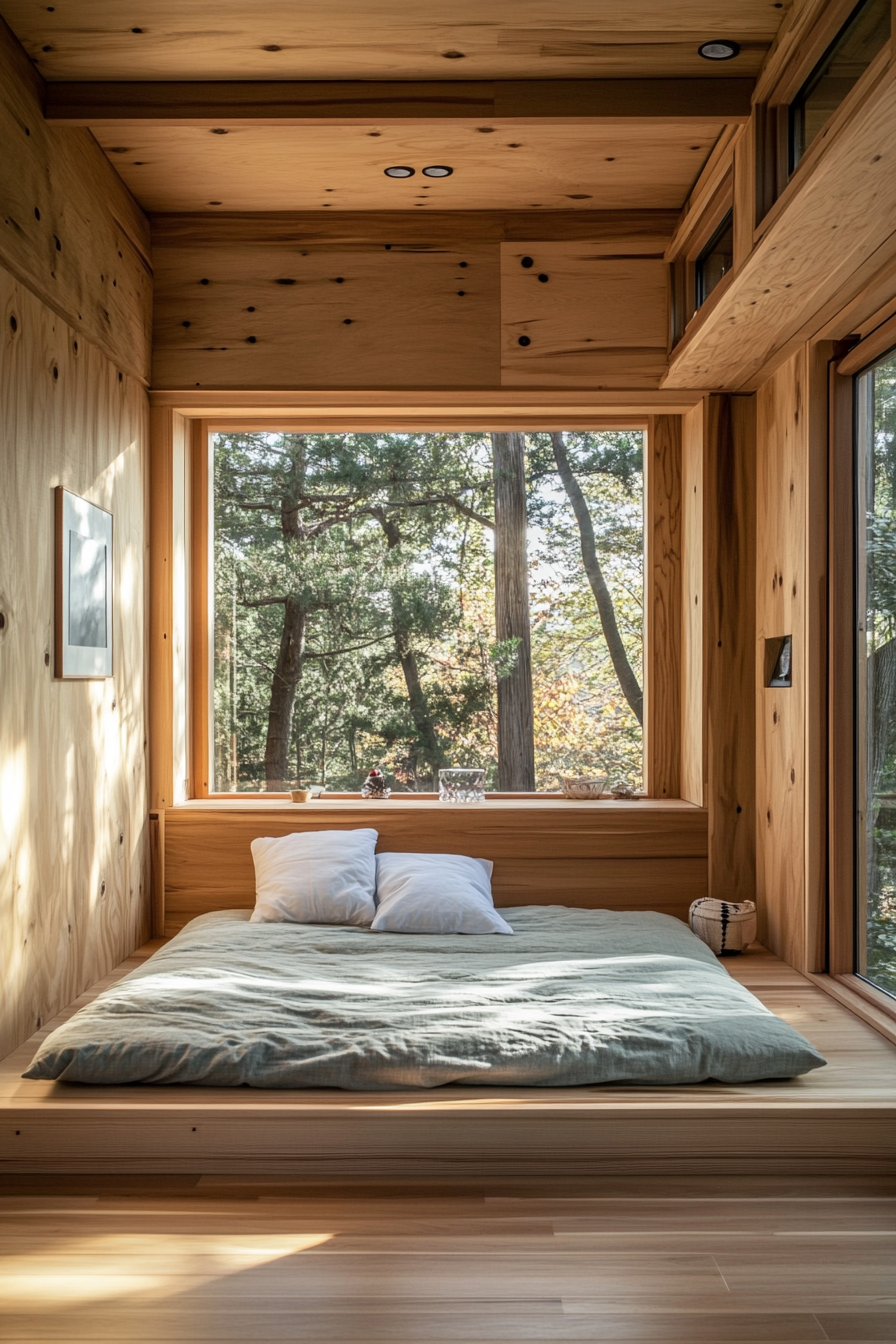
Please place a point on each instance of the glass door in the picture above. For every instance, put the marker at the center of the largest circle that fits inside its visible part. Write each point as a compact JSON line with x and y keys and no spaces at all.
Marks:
{"x":876,"y":675}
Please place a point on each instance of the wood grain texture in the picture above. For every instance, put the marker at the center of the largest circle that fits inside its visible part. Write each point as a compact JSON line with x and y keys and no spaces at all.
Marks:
{"x":597,"y":321}
{"x":323,"y":317}
{"x":244,"y":102}
{"x":476,"y":39}
{"x":202,"y":600}
{"x":841,"y":668}
{"x":70,"y":229}
{"x":499,"y":408}
{"x":729,"y":559}
{"x":518,"y":163}
{"x":164,"y":424}
{"x":835,"y":1122}
{"x":791,"y":565}
{"x":683,"y":1259}
{"x":622,"y":856}
{"x":73,"y":846}
{"x":663,"y":606}
{"x":693,"y":709}
{"x":802,"y":270}
{"x":636,"y":232}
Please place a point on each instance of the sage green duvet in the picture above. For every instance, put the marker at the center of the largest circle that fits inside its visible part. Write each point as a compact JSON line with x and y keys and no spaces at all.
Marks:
{"x":575,"y":996}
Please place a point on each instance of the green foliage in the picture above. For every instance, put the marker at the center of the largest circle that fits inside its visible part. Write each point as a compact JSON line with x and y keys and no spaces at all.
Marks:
{"x":879,"y":961}
{"x":383,"y":542}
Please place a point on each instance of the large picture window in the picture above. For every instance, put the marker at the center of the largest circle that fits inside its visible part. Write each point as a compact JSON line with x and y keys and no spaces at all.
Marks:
{"x":876,"y":676}
{"x":416,"y":601}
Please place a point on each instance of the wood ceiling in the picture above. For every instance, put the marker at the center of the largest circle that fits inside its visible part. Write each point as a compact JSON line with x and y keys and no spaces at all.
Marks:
{"x":388,"y":39}
{"x":535,"y":104}
{"x":309,"y":167}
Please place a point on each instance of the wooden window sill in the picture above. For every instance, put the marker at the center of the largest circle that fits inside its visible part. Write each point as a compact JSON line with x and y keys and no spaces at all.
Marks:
{"x":870,"y":1004}
{"x":251,"y":802}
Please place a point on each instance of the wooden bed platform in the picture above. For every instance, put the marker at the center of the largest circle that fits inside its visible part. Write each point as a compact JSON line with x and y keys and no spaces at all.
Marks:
{"x":838,"y":1120}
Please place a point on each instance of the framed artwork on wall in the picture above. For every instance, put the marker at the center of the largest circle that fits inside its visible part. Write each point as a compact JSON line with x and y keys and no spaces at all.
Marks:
{"x":83,"y":588}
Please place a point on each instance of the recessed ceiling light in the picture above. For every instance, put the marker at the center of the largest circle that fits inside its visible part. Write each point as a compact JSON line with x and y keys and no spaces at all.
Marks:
{"x":722,"y":50}
{"x":399,"y":171}
{"x":437,"y":170}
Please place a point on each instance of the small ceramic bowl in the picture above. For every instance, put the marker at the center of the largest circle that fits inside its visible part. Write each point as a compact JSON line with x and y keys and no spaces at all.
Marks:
{"x":300,"y":795}
{"x":583,"y":788}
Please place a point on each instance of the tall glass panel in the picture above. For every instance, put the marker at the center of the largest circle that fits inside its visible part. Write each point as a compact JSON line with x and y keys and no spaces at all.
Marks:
{"x":876,"y":676}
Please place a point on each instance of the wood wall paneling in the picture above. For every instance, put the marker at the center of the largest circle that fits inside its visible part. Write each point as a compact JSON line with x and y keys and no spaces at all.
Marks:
{"x":663,"y":607}
{"x":596,"y":320}
{"x":693,"y":709}
{"x":642,"y":856}
{"x":70,"y":229}
{"x":426,"y":312}
{"x":74,"y":895}
{"x":729,"y":558}
{"x":313,"y":316}
{"x":791,"y":597}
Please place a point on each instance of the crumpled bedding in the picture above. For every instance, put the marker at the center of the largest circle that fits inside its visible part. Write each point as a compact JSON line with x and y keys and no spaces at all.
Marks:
{"x":574,"y":997}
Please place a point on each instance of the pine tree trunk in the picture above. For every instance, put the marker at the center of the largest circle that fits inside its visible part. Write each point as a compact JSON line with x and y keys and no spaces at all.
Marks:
{"x":419,"y":707}
{"x":618,"y":656}
{"x":287,"y":673}
{"x":516,"y":737}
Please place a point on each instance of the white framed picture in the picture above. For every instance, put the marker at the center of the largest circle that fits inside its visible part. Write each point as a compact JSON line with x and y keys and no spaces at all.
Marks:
{"x":83,"y":588}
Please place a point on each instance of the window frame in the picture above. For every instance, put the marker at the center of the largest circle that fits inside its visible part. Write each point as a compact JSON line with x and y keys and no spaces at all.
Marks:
{"x":684,"y":256}
{"x":859,"y":715}
{"x":843,"y":709}
{"x":172,"y":786}
{"x":777,"y":180}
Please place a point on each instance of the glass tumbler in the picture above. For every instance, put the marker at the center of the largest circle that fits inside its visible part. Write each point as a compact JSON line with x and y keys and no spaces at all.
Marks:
{"x":461,"y":786}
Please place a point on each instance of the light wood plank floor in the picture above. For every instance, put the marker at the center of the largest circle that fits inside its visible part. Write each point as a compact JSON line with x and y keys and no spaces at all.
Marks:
{"x":840,"y":1119}
{"x":703,"y":1260}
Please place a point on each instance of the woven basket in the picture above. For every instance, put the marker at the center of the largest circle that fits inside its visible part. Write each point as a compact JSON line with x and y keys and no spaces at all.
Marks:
{"x":725,"y":926}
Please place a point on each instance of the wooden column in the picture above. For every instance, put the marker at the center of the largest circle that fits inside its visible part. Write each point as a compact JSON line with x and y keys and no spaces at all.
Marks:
{"x":662,"y":597}
{"x":729,"y":563}
{"x":161,"y":679}
{"x":516,"y":738}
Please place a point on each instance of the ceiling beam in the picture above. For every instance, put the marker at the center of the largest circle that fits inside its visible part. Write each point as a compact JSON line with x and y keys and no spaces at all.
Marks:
{"x":630,"y":232}
{"x":284,"y":103}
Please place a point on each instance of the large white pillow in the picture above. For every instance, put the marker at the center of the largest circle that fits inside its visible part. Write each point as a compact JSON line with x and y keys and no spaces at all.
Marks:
{"x":315,"y":877}
{"x":435,"y":893}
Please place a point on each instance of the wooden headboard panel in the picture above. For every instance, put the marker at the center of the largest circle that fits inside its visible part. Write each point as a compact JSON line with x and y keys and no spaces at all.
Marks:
{"x":645,"y":855}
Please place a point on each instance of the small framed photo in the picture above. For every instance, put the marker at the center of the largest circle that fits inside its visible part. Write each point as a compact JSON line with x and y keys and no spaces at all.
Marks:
{"x":83,"y":588}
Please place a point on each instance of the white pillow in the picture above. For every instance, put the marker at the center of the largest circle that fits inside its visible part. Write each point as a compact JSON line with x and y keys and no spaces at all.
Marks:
{"x":315,"y":877}
{"x":435,"y":893}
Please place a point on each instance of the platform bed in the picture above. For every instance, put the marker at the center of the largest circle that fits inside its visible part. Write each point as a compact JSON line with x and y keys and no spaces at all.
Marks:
{"x":839,"y":1119}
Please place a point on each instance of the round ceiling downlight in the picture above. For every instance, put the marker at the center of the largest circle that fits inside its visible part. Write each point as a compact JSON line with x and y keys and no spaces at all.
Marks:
{"x":438,"y":170}
{"x":721,"y":50}
{"x":400,"y":170}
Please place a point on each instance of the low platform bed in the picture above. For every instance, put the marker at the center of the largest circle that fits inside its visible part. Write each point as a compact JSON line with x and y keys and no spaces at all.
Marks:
{"x":574,"y":997}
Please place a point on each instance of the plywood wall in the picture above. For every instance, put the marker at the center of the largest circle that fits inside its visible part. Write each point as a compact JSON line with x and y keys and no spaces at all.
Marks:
{"x":445,"y":302}
{"x":69,"y":228}
{"x":73,"y":843}
{"x":791,"y":526}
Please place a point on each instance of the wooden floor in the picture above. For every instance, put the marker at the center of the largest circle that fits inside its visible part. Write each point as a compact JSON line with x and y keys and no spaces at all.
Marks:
{"x":701,"y":1260}
{"x":838,"y":1120}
